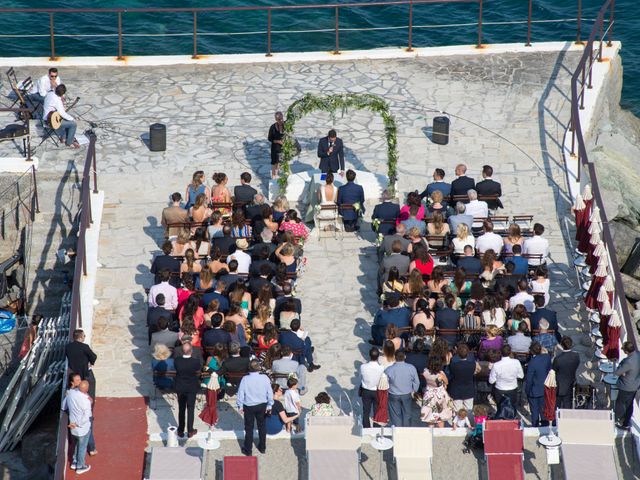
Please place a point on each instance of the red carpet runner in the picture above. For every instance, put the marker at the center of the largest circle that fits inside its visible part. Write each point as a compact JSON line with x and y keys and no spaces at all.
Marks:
{"x":121,"y":437}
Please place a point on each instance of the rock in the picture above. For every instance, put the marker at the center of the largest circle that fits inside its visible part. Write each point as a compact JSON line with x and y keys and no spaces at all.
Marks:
{"x":631,"y":286}
{"x":624,"y":238}
{"x":38,"y":447}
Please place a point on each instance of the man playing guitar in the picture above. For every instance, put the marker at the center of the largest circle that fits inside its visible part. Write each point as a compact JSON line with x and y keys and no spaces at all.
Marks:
{"x":56,"y":115}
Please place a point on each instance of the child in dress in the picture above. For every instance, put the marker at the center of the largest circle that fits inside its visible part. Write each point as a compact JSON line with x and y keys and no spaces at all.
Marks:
{"x":461,"y":420}
{"x":322,"y":407}
{"x":292,"y":405}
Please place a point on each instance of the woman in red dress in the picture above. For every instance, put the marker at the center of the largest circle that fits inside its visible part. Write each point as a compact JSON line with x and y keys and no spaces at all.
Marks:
{"x":422,"y":260}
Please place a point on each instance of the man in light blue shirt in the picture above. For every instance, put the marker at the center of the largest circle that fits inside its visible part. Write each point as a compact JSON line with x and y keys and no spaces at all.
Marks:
{"x":254,"y":400}
{"x":412,"y":221}
{"x":403,"y":381}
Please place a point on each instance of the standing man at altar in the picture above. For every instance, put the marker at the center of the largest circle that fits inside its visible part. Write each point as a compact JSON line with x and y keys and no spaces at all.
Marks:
{"x":331,"y":153}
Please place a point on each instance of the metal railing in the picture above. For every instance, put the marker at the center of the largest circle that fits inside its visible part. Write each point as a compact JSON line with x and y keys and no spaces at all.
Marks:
{"x":334,"y":10}
{"x":80,"y":270}
{"x":581,"y":82}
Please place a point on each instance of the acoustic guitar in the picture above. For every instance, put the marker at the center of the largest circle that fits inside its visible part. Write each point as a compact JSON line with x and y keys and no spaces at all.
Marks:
{"x":55,"y":119}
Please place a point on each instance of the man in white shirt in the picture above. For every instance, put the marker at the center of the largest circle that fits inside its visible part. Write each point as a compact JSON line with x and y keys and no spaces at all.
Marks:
{"x":504,"y":377}
{"x":489,"y":240}
{"x":53,"y":103}
{"x":536,"y":245}
{"x":370,"y":374}
{"x":45,"y":84}
{"x":523,"y":297}
{"x":79,"y":406}
{"x":241,"y":256}
{"x":169,"y":291}
{"x":476,"y":208}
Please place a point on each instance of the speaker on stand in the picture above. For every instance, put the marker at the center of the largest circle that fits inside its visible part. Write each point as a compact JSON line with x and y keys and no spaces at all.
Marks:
{"x":440,"y":132}
{"x":157,"y":137}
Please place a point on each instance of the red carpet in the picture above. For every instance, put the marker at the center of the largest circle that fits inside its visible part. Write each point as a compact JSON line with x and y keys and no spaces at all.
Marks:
{"x":121,"y":437}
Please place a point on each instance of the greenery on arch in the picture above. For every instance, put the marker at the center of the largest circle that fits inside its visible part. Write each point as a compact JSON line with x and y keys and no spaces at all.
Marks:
{"x":332,"y":103}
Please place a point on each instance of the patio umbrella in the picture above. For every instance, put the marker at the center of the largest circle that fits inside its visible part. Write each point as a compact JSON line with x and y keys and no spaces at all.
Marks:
{"x":209,"y":413}
{"x":606,"y":291}
{"x":605,"y":313}
{"x":611,"y":347}
{"x":595,"y":236}
{"x":599,"y":252}
{"x":381,"y":416}
{"x":549,"y":411}
{"x":582,"y":211}
{"x":591,"y":298}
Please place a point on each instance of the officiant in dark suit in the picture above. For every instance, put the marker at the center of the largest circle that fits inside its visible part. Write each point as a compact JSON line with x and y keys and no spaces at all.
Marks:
{"x":331,"y":153}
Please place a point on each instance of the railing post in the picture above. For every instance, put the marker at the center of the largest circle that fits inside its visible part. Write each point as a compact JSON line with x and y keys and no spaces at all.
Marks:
{"x":528,"y":44}
{"x":579,"y":23}
{"x":95,"y":171}
{"x":611,"y":21}
{"x":84,"y":262}
{"x":600,"y":47}
{"x":582,"y":94}
{"x":479,"y":44}
{"x":195,"y":35}
{"x":410,"y":41}
{"x":120,"y":57}
{"x":52,"y":37}
{"x":589,"y":85}
{"x":35,"y":189}
{"x":337,"y":28}
{"x":268,"y":32}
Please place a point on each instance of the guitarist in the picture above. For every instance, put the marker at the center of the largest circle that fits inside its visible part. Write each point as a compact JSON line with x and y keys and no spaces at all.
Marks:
{"x":53,"y":104}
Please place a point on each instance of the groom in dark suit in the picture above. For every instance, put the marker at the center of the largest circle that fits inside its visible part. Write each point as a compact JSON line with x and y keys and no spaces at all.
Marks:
{"x":488,"y":186}
{"x":350,"y":194}
{"x":331,"y":153}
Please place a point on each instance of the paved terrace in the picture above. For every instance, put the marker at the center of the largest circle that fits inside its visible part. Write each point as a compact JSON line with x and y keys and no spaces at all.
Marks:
{"x":510,"y":108}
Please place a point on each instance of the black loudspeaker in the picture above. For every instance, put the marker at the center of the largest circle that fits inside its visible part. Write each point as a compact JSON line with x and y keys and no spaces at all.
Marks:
{"x":440,"y":132}
{"x":157,"y":137}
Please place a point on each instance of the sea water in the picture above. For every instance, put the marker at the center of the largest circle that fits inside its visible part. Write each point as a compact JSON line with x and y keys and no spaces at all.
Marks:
{"x":307,"y":30}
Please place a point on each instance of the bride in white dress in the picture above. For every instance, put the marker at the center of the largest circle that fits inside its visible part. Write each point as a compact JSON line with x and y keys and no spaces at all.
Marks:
{"x":327,"y":194}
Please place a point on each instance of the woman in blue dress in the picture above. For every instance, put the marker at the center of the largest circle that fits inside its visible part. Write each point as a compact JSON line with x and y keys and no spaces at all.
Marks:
{"x":195,"y":188}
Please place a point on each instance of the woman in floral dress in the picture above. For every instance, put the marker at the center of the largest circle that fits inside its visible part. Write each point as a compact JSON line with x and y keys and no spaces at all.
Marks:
{"x":437,"y":406}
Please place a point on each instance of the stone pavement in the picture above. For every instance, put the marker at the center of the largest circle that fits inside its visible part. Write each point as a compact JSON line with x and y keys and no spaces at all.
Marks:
{"x":508,"y":110}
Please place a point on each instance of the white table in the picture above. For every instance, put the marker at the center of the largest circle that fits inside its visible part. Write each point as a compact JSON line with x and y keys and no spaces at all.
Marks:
{"x":551,"y":444}
{"x":381,"y":444}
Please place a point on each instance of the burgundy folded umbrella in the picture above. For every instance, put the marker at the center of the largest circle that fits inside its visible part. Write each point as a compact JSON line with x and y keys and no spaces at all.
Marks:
{"x":382,"y":407}
{"x":599,"y":276}
{"x":549,"y":412}
{"x":209,"y":413}
{"x":606,"y":292}
{"x":582,"y":211}
{"x":611,"y":347}
{"x":605,"y":314}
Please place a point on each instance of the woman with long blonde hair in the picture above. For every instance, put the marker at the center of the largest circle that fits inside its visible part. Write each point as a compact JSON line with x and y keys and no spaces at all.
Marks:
{"x":462,"y":239}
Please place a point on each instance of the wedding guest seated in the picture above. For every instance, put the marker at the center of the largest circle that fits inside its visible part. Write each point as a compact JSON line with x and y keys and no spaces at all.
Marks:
{"x":540,"y":284}
{"x":174,"y":214}
{"x":543,"y":313}
{"x":218,"y":294}
{"x":244,"y":193}
{"x":220,"y":193}
{"x":162,"y":363}
{"x":257,"y":283}
{"x":469,"y":262}
{"x":234,"y":364}
{"x":164,"y":335}
{"x":165,"y":261}
{"x":413,"y":200}
{"x":231,"y":277}
{"x":351,"y":194}
{"x":225,"y":244}
{"x":169,"y":291}
{"x":280,"y":207}
{"x":536,"y":245}
{"x":397,"y":260}
{"x":545,"y":336}
{"x":257,"y":207}
{"x":190,"y":265}
{"x":297,"y":344}
{"x":239,"y":227}
{"x":277,"y":418}
{"x":286,"y":302}
{"x":387,"y":243}
{"x":285,"y":253}
{"x":199,"y":211}
{"x":241,"y":256}
{"x":519,"y":315}
{"x":418,"y":356}
{"x":437,"y":226}
{"x":182,"y":243}
{"x":514,"y":237}
{"x":492,"y":313}
{"x":413,"y":222}
{"x":522,"y":297}
{"x":216,"y":334}
{"x":391,"y":312}
{"x":462,"y":184}
{"x":488,"y":186}
{"x":286,"y":366}
{"x":520,"y":342}
{"x":262,"y":251}
{"x":509,"y":281}
{"x":438,"y":204}
{"x":476,"y":208}
{"x":422,"y":260}
{"x":489,"y":240}
{"x":261,"y":317}
{"x":492,"y":341}
{"x":415,"y":239}
{"x":154,"y":314}
{"x":448,"y":318}
{"x":462,"y":239}
{"x":437,"y":184}
{"x":491,"y":268}
{"x":460,"y":217}
{"x":215,"y":262}
{"x":423,"y":317}
{"x":387,"y":212}
{"x":521,"y":263}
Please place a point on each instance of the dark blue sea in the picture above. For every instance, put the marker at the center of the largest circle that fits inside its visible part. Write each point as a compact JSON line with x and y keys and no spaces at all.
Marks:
{"x":370,"y":27}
